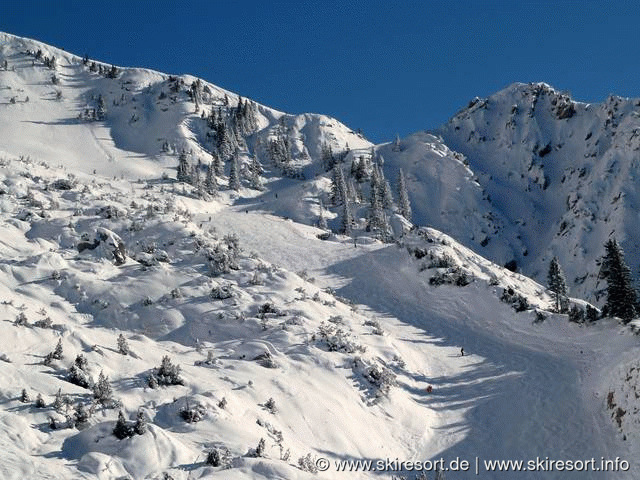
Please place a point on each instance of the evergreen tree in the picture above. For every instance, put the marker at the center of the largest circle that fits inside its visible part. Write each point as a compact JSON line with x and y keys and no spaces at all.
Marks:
{"x":557,"y":283}
{"x":57,"y":352}
{"x":347,"y":218}
{"x":234,"y":173}
{"x":184,"y":170}
{"x":328,"y":159}
{"x":218,"y":166}
{"x":24,"y":396}
{"x":403,"y":197}
{"x":123,"y":345}
{"x":210,"y":183}
{"x":256,"y":170}
{"x":621,"y":296}
{"x":40,"y":403}
{"x":386,"y":195}
{"x":101,"y":111}
{"x":322,"y":221}
{"x":338,"y":187}
{"x":58,"y":402}
{"x":122,"y":429}
{"x":140,"y":427}
{"x":102,"y":389}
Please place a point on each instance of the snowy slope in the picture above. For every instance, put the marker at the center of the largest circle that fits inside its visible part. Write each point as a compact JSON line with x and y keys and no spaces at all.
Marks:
{"x":345,"y":337}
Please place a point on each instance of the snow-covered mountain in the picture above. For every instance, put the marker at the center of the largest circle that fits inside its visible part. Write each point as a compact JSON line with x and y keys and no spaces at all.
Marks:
{"x":295,"y":344}
{"x":562,"y":174}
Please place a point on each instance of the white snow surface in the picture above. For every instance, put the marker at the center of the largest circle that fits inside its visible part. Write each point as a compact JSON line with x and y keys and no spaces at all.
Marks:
{"x":326,"y":315}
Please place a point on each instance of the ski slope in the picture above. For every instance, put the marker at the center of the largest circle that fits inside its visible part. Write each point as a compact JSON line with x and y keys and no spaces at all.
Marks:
{"x":522,"y":391}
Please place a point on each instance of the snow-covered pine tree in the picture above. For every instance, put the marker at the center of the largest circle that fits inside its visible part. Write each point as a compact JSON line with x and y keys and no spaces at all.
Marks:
{"x":322,"y":221}
{"x":122,"y":429}
{"x":261,"y":448}
{"x":621,"y":296}
{"x":327,"y":157}
{"x":101,"y":111}
{"x":210,"y":183}
{"x":386,"y":195}
{"x":234,"y":173}
{"x":140,"y":427}
{"x":557,"y":283}
{"x":123,"y":345}
{"x":58,"y":401}
{"x":102,"y":391}
{"x":184,"y":170}
{"x":218,"y":165}
{"x":403,"y":197}
{"x":347,"y":218}
{"x":255,"y":171}
{"x":338,"y":187}
{"x":196,"y":181}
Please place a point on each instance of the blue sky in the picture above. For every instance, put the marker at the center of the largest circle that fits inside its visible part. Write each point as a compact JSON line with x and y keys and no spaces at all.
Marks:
{"x":383,"y":66}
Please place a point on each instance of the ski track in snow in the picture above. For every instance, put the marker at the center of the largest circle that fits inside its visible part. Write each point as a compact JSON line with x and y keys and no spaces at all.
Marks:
{"x":513,"y":395}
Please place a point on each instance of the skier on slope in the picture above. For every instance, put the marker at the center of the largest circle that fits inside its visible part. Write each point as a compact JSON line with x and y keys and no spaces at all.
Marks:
{"x":462,"y":352}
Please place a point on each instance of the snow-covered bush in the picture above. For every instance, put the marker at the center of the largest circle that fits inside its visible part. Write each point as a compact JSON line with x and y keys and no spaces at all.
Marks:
{"x":166,"y":374}
{"x":219,"y":456}
{"x":381,"y":377}
{"x":337,"y":340}
{"x":102,"y":390}
{"x":223,"y":256}
{"x":452,"y":276}
{"x":43,"y":323}
{"x":21,"y":319}
{"x":192,"y":413}
{"x":122,"y":428}
{"x":266,"y":360}
{"x":78,"y":372}
{"x":221,"y":292}
{"x":270,"y":406}
{"x":307,"y":463}
{"x":517,"y":301}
